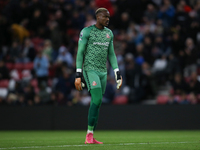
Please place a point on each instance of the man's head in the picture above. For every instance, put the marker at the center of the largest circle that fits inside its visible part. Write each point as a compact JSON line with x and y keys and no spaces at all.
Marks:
{"x":102,"y":15}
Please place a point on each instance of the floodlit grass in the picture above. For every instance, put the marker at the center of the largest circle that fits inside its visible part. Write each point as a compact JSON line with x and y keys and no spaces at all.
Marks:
{"x":113,"y":140}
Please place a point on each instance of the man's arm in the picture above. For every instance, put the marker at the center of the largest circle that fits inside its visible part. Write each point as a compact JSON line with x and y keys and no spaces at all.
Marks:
{"x":113,"y":62}
{"x":111,"y":54}
{"x":82,"y":43}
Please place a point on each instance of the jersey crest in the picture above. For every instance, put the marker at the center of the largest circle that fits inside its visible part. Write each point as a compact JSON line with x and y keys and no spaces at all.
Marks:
{"x":94,"y":83}
{"x":107,"y":35}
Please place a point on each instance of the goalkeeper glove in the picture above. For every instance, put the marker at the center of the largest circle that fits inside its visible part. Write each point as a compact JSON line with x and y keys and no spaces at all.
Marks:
{"x":118,"y":78}
{"x":79,"y":81}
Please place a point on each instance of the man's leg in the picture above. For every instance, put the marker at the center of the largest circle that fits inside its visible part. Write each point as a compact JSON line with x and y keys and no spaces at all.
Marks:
{"x":94,"y":86}
{"x":103,"y":80}
{"x":96,"y":99}
{"x":96,"y":95}
{"x":96,"y":122}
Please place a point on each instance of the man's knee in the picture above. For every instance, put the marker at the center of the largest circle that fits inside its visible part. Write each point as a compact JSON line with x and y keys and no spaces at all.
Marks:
{"x":96,"y":96}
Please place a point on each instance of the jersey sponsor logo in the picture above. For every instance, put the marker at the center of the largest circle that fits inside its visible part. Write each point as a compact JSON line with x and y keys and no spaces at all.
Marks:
{"x":107,"y":35}
{"x":94,"y":83}
{"x":98,"y":43}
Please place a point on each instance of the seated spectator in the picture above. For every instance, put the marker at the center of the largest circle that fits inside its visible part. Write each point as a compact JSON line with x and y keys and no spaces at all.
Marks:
{"x":135,"y":80}
{"x":19,"y":32}
{"x":61,"y":99}
{"x":85,"y":98}
{"x":14,"y":51}
{"x":166,"y":13}
{"x":159,"y":27}
{"x":52,"y":100}
{"x":89,"y":20}
{"x":172,"y":66}
{"x":65,"y":56}
{"x":36,"y":21}
{"x":28,"y":52}
{"x":164,"y":49}
{"x":148,"y":45}
{"x":43,"y":94}
{"x":148,"y":80}
{"x":150,"y":14}
{"x":124,"y":21}
{"x":21,"y":100}
{"x":48,"y":50}
{"x":190,"y":57}
{"x":192,"y":98}
{"x":178,"y":84}
{"x":159,"y":69}
{"x":65,"y":84}
{"x":29,"y":94}
{"x":110,"y":91}
{"x":136,"y":37}
{"x":139,"y":54}
{"x":2,"y":101}
{"x":41,"y":66}
{"x":37,"y":100}
{"x":184,"y":100}
{"x":194,"y":84}
{"x":60,"y":19}
{"x":176,"y":44}
{"x":4,"y":73}
{"x":76,"y":97}
{"x":11,"y":99}
{"x":172,"y":100}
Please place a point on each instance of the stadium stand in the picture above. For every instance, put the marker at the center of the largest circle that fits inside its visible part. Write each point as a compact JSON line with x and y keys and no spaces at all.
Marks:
{"x":154,"y":41}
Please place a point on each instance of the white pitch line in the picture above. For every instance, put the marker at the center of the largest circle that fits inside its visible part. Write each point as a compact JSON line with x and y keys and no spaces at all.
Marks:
{"x":120,"y":144}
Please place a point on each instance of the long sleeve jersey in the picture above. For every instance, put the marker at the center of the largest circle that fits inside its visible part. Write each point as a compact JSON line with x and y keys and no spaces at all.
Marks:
{"x":94,"y":46}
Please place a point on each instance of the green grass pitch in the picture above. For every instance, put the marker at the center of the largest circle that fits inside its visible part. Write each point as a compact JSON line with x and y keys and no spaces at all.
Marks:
{"x":113,"y":140}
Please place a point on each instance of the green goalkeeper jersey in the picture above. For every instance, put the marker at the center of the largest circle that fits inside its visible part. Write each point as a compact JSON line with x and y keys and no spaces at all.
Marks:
{"x":94,"y":46}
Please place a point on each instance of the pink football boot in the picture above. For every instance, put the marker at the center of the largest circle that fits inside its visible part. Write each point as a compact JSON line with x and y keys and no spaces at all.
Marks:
{"x":96,"y":142}
{"x":89,"y":139}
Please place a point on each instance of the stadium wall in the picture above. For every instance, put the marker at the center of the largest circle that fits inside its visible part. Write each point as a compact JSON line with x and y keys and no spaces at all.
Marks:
{"x":112,"y":117}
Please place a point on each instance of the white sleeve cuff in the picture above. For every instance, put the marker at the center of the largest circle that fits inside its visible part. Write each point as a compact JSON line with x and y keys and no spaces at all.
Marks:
{"x":117,"y":69}
{"x":78,"y":70}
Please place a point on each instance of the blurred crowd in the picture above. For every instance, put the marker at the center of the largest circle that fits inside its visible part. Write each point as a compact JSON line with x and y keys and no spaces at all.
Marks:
{"x":157,"y":43}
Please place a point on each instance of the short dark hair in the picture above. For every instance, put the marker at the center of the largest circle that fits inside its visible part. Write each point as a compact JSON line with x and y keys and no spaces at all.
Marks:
{"x":99,"y":10}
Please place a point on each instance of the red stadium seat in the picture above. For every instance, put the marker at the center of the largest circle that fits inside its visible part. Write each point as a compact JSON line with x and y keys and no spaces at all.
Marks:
{"x":28,"y":66}
{"x":120,"y":100}
{"x":19,"y":66}
{"x":10,"y":66}
{"x":4,"y":83}
{"x":171,"y":91}
{"x":162,"y":99}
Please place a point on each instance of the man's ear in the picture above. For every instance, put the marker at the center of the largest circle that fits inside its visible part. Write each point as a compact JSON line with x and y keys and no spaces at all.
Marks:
{"x":97,"y":17}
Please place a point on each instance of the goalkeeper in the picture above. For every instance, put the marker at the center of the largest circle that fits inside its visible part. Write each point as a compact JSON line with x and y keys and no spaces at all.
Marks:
{"x":95,"y":44}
